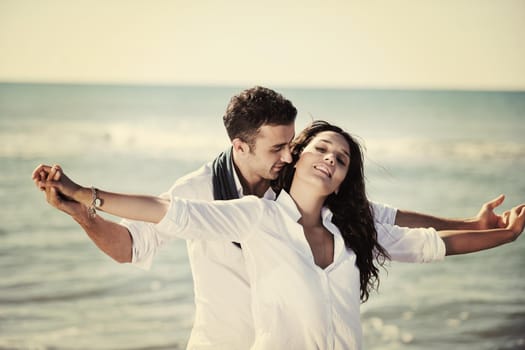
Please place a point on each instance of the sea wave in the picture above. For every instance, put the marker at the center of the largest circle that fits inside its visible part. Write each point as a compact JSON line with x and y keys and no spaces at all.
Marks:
{"x":189,"y":141}
{"x":72,"y":139}
{"x":429,"y":149}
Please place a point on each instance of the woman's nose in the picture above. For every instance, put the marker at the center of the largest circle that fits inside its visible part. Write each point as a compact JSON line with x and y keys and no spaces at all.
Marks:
{"x":330,"y":158}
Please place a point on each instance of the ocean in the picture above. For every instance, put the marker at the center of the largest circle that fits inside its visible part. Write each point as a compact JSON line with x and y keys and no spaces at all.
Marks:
{"x":438,"y":152}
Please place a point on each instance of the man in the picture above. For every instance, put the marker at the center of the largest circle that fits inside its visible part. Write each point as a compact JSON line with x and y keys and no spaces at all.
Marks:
{"x":260,"y":124}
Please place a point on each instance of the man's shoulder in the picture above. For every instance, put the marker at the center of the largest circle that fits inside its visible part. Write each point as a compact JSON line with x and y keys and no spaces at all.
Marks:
{"x":197,"y":184}
{"x":202,"y":174}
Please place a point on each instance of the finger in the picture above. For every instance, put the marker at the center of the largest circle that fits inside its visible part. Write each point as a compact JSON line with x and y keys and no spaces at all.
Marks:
{"x":519,"y":207}
{"x":39,"y":169}
{"x":55,"y":173}
{"x":36,"y":171}
{"x":505,"y":217}
{"x":47,"y":185}
{"x":50,"y":184}
{"x":53,"y":192}
{"x":496,"y":202}
{"x":42,"y":184}
{"x":516,"y":210}
{"x":52,"y":173}
{"x":44,"y":172}
{"x":54,"y":199}
{"x":49,"y":197}
{"x":41,"y":175}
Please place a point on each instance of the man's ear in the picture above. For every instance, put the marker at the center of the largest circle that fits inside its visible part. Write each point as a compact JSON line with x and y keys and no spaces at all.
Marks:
{"x":239,"y":146}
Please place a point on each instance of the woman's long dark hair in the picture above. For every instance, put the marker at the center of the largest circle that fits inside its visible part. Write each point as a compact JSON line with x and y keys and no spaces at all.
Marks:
{"x":351,"y":209}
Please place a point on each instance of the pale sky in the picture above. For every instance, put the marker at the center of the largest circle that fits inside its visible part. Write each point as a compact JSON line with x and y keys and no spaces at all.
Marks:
{"x":453,"y":44}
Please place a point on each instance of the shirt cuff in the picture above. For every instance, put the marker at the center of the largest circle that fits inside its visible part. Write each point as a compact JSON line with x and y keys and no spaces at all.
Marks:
{"x":435,"y":249}
{"x":175,"y":218}
{"x":138,"y":245}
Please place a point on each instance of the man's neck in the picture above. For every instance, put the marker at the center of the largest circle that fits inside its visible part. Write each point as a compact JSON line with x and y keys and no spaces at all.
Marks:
{"x":251,"y":183}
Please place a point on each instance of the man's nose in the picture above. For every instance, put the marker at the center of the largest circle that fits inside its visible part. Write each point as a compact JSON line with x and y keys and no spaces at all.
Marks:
{"x":286,"y":155}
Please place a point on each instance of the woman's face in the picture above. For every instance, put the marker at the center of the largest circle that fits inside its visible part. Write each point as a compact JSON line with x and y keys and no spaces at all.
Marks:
{"x":324,"y":162}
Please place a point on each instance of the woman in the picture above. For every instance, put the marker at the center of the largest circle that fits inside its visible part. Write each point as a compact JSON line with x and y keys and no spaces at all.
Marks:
{"x":313,"y":254}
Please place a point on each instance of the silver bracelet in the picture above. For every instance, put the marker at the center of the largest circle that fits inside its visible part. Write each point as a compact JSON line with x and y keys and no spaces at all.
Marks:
{"x":95,"y":202}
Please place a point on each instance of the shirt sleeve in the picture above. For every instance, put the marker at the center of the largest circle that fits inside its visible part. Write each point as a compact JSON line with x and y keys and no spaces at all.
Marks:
{"x":411,"y":244}
{"x":383,"y":213}
{"x":231,"y":220}
{"x":146,"y":240}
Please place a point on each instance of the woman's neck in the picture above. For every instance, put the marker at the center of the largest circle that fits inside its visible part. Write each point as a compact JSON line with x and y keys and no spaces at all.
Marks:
{"x":320,"y":240}
{"x":309,"y":205}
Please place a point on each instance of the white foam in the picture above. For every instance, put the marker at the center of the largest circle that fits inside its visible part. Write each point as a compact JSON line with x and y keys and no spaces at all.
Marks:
{"x":426,"y":149}
{"x":71,"y":139}
{"x":190,"y":140}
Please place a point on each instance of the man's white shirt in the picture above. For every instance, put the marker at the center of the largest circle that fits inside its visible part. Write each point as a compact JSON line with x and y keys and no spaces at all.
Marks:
{"x":223,"y":313}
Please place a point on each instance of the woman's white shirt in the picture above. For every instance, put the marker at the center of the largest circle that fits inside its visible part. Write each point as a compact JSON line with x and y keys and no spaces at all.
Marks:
{"x":223,"y":316}
{"x":295,"y":303}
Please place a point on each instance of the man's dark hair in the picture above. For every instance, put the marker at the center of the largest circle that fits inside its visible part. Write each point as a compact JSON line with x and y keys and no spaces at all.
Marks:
{"x":253,"y":108}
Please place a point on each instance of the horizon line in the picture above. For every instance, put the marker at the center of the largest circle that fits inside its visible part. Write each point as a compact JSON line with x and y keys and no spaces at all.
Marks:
{"x":243,"y":86}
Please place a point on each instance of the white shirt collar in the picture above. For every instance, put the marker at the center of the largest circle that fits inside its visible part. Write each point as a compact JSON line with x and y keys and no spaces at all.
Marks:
{"x":288,"y":204}
{"x":327,"y":215}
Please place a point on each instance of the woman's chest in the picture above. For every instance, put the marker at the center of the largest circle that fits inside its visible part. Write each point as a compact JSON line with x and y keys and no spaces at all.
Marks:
{"x":283,"y":275}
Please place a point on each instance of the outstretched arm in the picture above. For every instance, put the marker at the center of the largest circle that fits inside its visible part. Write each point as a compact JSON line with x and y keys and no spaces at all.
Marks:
{"x":468,"y":241}
{"x":135,"y":207}
{"x":486,"y":219}
{"x":187,"y":219}
{"x":110,"y":237}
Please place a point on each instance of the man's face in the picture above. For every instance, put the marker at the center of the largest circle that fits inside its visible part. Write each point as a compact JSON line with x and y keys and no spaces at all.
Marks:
{"x":271,"y":150}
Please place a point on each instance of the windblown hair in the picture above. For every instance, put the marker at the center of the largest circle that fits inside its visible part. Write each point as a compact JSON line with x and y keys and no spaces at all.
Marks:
{"x":352,"y":212}
{"x":253,"y":108}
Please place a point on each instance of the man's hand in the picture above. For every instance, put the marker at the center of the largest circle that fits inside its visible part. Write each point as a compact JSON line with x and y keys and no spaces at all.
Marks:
{"x":58,"y":188}
{"x":44,"y":173}
{"x":46,"y":176}
{"x":57,"y":200}
{"x":111,"y":238}
{"x":515,"y":219}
